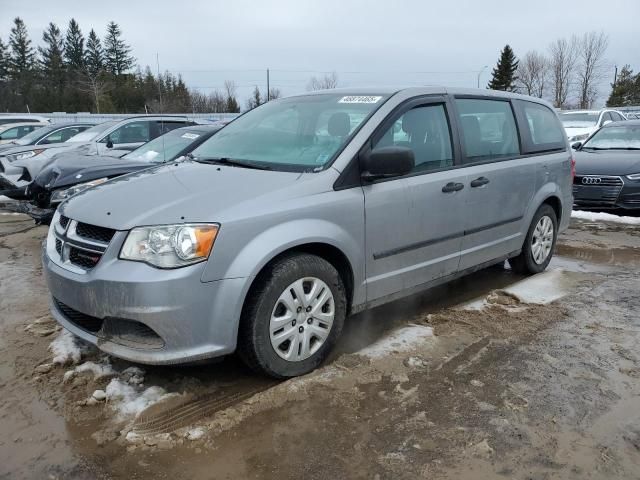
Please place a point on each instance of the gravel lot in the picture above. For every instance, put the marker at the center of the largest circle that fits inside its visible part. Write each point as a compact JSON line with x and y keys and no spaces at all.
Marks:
{"x":480,"y":378}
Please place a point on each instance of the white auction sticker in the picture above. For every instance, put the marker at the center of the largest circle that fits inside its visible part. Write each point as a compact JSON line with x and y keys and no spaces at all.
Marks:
{"x":190,"y":136}
{"x":360,"y":99}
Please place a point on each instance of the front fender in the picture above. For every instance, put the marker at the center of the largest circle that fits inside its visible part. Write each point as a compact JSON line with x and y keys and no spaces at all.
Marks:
{"x":262,"y":248}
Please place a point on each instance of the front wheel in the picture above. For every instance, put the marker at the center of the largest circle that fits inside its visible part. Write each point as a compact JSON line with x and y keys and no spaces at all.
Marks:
{"x":292,"y":317}
{"x":539,"y":243}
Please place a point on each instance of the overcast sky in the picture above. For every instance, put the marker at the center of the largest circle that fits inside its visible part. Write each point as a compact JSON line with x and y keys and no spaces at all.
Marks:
{"x":408,"y":42}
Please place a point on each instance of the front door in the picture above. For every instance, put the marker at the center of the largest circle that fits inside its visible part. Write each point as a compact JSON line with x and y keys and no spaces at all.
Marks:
{"x":415,"y":223}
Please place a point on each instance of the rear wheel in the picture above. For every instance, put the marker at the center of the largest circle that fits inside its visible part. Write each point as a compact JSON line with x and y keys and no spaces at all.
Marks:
{"x":539,"y":243}
{"x":292,"y":317}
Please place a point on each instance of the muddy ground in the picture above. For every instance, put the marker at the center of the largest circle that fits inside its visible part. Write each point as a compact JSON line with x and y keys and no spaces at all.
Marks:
{"x":434,"y":386}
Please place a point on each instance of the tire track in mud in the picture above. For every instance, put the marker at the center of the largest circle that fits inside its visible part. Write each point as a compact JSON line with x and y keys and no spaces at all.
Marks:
{"x":188,"y":412}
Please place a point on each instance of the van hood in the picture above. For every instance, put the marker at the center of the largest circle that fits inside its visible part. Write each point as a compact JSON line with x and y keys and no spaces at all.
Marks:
{"x":183,"y":192}
{"x":607,"y":162}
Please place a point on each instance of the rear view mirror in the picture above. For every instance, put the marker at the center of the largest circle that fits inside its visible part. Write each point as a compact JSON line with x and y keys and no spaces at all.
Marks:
{"x":387,"y":162}
{"x":576,"y":145}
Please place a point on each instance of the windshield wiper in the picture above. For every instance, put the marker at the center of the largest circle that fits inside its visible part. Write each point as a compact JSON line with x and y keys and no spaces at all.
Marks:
{"x":610,"y":148}
{"x":234,"y":162}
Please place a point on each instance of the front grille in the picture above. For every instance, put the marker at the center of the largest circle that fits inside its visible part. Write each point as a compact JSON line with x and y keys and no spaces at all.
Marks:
{"x":94,"y":232}
{"x":81,"y":244}
{"x":80,"y":320}
{"x":83,"y":258}
{"x":605,"y":192}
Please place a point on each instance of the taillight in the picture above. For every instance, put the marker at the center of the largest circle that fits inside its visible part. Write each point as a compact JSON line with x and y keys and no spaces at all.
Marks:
{"x":573,"y":168}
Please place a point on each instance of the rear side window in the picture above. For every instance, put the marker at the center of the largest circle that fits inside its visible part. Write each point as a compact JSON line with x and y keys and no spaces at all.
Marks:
{"x":488,"y":129}
{"x":543,"y":132}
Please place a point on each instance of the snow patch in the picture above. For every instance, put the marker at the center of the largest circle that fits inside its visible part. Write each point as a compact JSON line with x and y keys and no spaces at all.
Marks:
{"x":402,"y":339}
{"x":129,"y":401}
{"x":67,"y":349}
{"x":604,"y":217}
{"x":99,"y":370}
{"x":539,"y":289}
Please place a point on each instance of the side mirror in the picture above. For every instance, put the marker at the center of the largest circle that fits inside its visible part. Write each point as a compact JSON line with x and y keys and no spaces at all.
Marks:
{"x":576,"y":145}
{"x":606,"y":122}
{"x":386,"y":162}
{"x":109,"y":142}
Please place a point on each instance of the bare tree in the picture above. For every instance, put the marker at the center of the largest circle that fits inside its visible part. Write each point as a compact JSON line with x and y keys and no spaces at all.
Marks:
{"x":591,"y":65}
{"x":95,"y":84}
{"x":328,"y":81}
{"x":532,"y":73}
{"x":274,"y":93}
{"x":563,"y":57}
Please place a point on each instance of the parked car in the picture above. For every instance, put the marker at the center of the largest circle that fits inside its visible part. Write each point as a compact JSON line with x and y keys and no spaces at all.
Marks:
{"x":14,"y":131}
{"x":305,"y":210}
{"x":579,"y":124}
{"x":22,"y":118}
{"x":632,"y":115}
{"x":47,"y":135}
{"x":608,"y":168}
{"x":74,"y":173}
{"x":20,"y":166}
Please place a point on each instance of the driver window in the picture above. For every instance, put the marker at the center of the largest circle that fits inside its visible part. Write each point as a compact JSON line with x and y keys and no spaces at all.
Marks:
{"x":425,"y":130}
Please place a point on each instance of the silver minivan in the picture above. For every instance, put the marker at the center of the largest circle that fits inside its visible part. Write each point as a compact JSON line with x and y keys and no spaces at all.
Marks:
{"x":302,"y":212}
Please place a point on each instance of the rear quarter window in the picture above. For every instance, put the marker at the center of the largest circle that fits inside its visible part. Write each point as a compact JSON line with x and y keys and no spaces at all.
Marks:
{"x":541,"y":129}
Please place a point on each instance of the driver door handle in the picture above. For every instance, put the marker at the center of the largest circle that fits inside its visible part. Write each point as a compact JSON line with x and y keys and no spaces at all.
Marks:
{"x":452,"y":187}
{"x":479,"y":182}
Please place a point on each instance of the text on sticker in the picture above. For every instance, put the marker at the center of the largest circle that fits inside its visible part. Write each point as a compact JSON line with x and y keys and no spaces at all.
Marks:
{"x":360,"y":99}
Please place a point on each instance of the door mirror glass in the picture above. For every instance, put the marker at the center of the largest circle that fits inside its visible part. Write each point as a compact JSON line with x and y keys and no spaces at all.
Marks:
{"x":385,"y":162}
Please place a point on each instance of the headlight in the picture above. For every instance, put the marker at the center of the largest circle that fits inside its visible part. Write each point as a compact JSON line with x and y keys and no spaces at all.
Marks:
{"x":62,"y":194}
{"x":634,"y":176}
{"x":24,"y":155}
{"x":578,"y":138}
{"x":170,"y":246}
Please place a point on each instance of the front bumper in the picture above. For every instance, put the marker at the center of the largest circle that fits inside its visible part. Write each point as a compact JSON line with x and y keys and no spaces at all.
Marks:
{"x":192,"y":320}
{"x":612,"y":193}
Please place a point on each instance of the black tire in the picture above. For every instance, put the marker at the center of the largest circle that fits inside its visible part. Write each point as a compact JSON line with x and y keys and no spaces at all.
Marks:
{"x":254,"y":343}
{"x":525,"y":263}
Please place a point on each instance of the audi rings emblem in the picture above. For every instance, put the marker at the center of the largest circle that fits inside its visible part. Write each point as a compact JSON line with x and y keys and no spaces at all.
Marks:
{"x":591,"y":180}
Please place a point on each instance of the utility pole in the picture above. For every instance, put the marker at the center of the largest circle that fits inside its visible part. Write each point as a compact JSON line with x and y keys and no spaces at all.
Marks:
{"x":268,"y":93}
{"x":615,"y":77}
{"x":480,"y":73}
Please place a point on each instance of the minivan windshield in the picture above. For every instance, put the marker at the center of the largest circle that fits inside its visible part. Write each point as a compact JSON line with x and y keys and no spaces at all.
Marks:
{"x":302,"y":133}
{"x":579,"y":119}
{"x":92,"y":133}
{"x":165,"y":147}
{"x":615,"y":138}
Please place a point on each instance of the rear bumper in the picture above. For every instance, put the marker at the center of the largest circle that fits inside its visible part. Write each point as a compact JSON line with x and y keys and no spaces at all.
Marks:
{"x":188,"y":319}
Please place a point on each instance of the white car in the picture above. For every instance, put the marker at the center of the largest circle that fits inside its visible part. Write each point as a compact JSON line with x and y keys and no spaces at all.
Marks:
{"x":10,"y":132}
{"x":22,"y":118}
{"x":580,"y":124}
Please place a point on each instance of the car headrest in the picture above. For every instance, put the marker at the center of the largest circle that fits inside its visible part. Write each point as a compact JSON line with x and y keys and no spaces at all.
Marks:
{"x":414,"y":123}
{"x":339,"y":124}
{"x":471,"y":128}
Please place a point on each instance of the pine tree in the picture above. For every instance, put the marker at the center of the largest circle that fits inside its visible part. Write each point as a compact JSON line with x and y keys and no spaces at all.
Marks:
{"x":626,"y":90}
{"x":74,"y":46}
{"x":22,"y":58}
{"x":4,"y":61}
{"x":504,"y":77}
{"x":116,"y":53}
{"x":51,"y":54}
{"x":94,"y":55}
